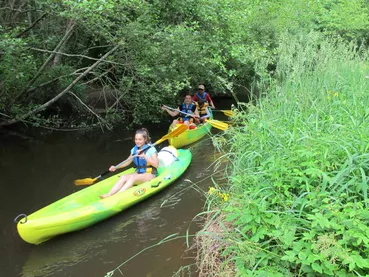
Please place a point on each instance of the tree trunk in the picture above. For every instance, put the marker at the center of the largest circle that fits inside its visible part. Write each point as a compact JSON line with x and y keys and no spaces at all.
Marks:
{"x":57,"y":58}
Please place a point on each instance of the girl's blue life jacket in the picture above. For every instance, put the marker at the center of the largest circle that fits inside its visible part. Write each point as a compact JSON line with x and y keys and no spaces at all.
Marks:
{"x":141,"y":165}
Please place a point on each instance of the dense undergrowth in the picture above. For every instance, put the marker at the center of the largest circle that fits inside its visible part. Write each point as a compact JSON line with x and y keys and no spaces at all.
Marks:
{"x":299,"y":166}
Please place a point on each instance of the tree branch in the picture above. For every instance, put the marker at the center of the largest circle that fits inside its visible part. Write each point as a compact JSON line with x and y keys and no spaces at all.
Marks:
{"x":88,"y":108}
{"x":55,"y":79}
{"x":73,"y":55}
{"x":30,"y":27}
{"x":31,"y":82}
{"x":53,"y":100}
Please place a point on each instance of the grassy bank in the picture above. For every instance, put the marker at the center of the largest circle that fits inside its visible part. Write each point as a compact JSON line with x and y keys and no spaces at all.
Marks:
{"x":296,"y":203}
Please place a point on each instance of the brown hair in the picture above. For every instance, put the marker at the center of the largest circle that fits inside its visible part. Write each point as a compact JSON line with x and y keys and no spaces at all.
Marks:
{"x":145,"y":133}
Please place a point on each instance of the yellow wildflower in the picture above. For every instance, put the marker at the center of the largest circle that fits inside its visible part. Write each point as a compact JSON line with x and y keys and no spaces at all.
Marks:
{"x":212,"y":190}
{"x":335,"y":94}
{"x":225,"y":197}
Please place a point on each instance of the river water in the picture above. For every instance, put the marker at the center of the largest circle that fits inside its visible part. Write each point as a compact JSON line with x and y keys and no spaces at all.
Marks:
{"x":37,"y":172}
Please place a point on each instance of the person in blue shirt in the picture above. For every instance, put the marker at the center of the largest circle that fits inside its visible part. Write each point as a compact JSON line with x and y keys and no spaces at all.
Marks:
{"x":146,"y":163}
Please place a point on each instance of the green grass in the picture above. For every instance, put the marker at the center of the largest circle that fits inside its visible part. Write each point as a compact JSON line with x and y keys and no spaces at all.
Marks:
{"x":299,"y":164}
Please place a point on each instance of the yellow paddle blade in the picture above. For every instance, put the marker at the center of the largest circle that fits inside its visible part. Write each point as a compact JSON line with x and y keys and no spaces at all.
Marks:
{"x":218,"y":124}
{"x":85,"y":181}
{"x":175,"y":133}
{"x":228,"y":113}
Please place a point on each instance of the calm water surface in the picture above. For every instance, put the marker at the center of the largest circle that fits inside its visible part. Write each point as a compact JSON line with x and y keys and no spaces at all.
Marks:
{"x":35,"y":173}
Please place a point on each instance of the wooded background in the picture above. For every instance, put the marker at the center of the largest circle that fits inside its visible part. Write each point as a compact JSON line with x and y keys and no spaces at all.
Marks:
{"x":78,"y":64}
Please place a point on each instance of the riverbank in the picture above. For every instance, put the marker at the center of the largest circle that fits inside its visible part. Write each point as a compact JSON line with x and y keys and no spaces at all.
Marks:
{"x":296,"y":200}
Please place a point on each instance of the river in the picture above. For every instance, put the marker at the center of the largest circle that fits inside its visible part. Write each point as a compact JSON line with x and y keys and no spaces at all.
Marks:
{"x":37,"y":172}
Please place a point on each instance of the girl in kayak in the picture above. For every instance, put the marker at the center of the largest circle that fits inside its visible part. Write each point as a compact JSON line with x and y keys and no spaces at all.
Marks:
{"x":146,"y":163}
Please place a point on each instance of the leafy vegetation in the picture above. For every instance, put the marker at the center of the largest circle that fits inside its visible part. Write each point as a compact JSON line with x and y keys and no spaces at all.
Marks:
{"x":297,"y":203}
{"x":143,"y":53}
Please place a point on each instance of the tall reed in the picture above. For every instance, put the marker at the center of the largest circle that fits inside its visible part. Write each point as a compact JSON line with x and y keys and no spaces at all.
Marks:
{"x":300,"y":165}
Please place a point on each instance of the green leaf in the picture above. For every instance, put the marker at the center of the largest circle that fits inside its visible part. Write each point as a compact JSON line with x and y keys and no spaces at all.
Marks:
{"x":317,"y":267}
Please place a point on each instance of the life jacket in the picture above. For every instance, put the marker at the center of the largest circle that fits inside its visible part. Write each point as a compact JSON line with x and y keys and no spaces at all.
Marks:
{"x":203,"y":96}
{"x":202,"y":110}
{"x":141,"y":165}
{"x":186,"y":109}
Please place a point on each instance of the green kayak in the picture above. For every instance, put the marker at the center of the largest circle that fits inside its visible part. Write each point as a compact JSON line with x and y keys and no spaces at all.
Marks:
{"x":190,"y":135}
{"x":84,"y":208}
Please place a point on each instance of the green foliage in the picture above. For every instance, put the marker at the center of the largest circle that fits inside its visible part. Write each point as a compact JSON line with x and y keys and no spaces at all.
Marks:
{"x":346,"y":18}
{"x":298,"y":200}
{"x":165,"y":47}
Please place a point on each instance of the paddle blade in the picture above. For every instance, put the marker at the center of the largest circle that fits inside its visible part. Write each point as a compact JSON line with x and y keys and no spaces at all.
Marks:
{"x":228,"y":113}
{"x":84,"y":182}
{"x":176,"y":132}
{"x":218,"y":124}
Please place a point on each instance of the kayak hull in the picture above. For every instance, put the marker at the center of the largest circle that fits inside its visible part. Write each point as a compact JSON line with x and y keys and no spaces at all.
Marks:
{"x":84,"y":208}
{"x":190,"y":135}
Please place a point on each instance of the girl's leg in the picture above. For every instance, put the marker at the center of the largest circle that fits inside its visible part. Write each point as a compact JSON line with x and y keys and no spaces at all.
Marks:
{"x":136,"y":179}
{"x":118,"y":185}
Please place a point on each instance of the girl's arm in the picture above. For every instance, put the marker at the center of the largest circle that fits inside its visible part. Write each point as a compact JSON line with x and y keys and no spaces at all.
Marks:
{"x":196,"y":112}
{"x":153,"y":159}
{"x":127,"y":163}
{"x":207,"y":113}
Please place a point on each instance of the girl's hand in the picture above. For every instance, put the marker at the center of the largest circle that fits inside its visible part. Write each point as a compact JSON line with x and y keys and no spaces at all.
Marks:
{"x":142,"y":155}
{"x":112,"y":168}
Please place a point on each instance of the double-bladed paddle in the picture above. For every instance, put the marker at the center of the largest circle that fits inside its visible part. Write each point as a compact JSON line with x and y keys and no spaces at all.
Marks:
{"x":176,"y":132}
{"x":215,"y":123}
{"x":228,"y":113}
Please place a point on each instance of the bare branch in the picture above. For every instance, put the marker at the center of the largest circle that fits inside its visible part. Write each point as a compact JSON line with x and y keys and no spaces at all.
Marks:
{"x":56,"y":79}
{"x":88,"y":108}
{"x":67,"y":89}
{"x":3,"y":114}
{"x":61,"y":43}
{"x":33,"y":25}
{"x":73,"y":55}
{"x":19,"y":10}
{"x":98,"y":77}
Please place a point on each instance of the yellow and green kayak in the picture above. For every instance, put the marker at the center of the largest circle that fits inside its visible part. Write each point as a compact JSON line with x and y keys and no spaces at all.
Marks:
{"x":84,"y":208}
{"x":190,"y":135}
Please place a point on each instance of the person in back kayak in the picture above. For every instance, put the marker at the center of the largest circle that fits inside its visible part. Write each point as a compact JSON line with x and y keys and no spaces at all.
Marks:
{"x":201,"y":93}
{"x":203,"y":108}
{"x":187,"y":107}
{"x":145,"y":162}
